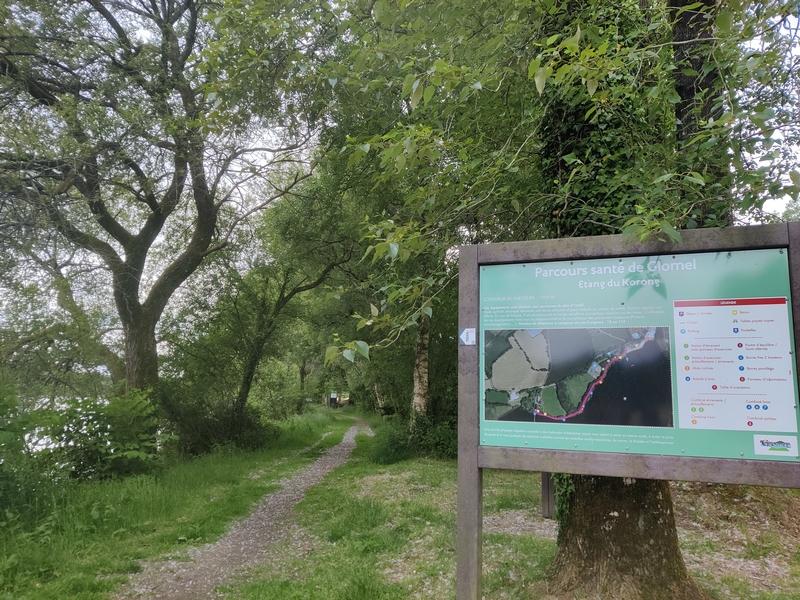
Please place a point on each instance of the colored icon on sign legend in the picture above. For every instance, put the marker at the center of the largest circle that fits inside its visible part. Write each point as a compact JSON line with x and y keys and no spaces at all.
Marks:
{"x":735,"y":330}
{"x":741,"y":378}
{"x":734,"y":312}
{"x":713,"y":387}
{"x":686,"y":357}
{"x":683,"y":331}
{"x":686,"y":345}
{"x":741,"y":368}
{"x":687,"y":368}
{"x":749,"y":423}
{"x":740,"y":357}
{"x":688,"y":379}
{"x":739,"y":345}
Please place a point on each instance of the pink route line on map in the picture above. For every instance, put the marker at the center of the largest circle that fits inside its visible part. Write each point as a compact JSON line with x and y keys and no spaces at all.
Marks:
{"x":597,"y":382}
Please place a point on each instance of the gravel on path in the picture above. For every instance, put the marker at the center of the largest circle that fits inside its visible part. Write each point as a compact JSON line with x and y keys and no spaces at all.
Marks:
{"x":211,"y":566}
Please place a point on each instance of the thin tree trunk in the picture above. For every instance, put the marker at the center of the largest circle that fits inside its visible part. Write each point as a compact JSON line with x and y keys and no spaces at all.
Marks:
{"x":419,"y":405}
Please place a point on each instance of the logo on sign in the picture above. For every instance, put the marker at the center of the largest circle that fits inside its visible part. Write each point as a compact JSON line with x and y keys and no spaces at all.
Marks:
{"x":771,"y":445}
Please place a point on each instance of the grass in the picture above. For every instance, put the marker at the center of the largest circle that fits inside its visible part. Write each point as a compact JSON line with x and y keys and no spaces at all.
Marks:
{"x":100,"y":531}
{"x":371,"y":531}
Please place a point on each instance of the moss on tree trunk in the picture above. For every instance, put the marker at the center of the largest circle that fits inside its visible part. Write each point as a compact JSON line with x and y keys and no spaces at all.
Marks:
{"x":618,"y":540}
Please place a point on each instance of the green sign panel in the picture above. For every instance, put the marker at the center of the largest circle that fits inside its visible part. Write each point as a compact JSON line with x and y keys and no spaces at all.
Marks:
{"x":682,"y":355}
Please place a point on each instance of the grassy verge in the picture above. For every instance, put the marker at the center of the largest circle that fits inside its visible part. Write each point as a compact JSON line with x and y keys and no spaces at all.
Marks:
{"x":100,"y":531}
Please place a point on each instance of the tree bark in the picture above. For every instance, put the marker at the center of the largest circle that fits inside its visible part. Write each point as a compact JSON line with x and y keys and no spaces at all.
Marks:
{"x":303,"y":374}
{"x":141,"y":356}
{"x":618,"y":540}
{"x":419,"y":404}
{"x":691,"y":32}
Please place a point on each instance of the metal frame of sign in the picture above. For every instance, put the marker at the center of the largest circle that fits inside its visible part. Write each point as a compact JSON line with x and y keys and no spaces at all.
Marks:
{"x":473,"y":458}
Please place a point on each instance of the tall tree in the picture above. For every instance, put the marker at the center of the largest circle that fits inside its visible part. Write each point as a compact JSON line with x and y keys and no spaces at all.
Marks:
{"x":105,"y":141}
{"x":564,"y":119}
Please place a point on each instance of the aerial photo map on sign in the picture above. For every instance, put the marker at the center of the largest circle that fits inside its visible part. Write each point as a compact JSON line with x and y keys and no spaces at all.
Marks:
{"x":684,"y":355}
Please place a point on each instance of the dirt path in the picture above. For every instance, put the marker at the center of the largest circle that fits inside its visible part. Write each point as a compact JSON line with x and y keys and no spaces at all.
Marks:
{"x":244,"y":545}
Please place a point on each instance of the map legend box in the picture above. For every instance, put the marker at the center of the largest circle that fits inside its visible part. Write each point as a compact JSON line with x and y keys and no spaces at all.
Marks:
{"x":735,"y":364}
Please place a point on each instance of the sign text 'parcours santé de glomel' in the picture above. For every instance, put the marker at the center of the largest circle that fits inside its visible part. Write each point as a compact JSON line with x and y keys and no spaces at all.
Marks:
{"x":684,"y":355}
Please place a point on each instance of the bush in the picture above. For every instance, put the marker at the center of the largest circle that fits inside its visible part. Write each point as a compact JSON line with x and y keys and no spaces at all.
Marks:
{"x":428,"y":438}
{"x":202,"y":423}
{"x":97,"y":438}
{"x":391,"y":444}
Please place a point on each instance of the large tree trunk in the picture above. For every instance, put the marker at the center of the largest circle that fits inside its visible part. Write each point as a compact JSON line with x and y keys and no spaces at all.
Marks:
{"x":419,"y":404}
{"x":618,"y":538}
{"x":618,"y":541}
{"x":141,"y":356}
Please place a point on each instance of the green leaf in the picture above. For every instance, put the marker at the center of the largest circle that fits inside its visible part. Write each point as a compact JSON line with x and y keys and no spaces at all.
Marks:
{"x":795,"y":177}
{"x":349,"y":355}
{"x":408,"y":82}
{"x":533,"y":66}
{"x":363,"y":349}
{"x":540,"y":78}
{"x":428,"y":94}
{"x":416,"y":94}
{"x":591,"y":86}
{"x":570,"y":158}
{"x":671,"y":232}
{"x":724,"y":20}
{"x":393,"y":248}
{"x":331,"y":353}
{"x":695,"y":177}
{"x":374,"y":310}
{"x":427,"y":310}
{"x":571,"y":43}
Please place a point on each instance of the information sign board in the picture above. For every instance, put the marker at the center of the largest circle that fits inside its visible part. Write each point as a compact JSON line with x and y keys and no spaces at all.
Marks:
{"x":680,"y":355}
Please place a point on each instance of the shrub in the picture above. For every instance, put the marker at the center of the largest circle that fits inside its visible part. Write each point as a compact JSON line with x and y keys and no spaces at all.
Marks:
{"x":96,"y":438}
{"x":202,"y":423}
{"x":391,"y":444}
{"x":429,"y":438}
